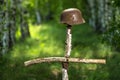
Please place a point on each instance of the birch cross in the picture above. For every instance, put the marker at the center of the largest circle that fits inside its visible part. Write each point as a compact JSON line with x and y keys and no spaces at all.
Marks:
{"x":70,"y":17}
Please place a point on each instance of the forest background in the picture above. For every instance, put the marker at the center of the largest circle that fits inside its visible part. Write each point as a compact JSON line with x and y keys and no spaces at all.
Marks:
{"x":31,"y":28}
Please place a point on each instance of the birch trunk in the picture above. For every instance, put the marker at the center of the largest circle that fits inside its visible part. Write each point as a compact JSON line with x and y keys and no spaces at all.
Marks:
{"x":23,"y":23}
{"x":92,"y":12}
{"x":64,"y":74}
{"x":67,"y":53}
{"x":12,"y":26}
{"x":101,"y":15}
{"x":106,"y":13}
{"x":1,"y":26}
{"x":99,"y":20}
{"x":38,"y":17}
{"x":5,"y":37}
{"x":109,"y":12}
{"x":24,"y":29}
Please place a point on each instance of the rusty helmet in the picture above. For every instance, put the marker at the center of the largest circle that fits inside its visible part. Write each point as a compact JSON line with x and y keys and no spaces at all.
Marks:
{"x":71,"y":16}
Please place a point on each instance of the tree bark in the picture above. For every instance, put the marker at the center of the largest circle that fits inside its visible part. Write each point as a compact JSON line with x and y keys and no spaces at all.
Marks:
{"x":38,"y":17}
{"x":101,"y":15}
{"x":67,"y":53}
{"x":1,"y":26}
{"x":92,"y":19}
{"x":24,"y":28}
{"x":64,"y":74}
{"x":65,"y":60}
{"x":12,"y":24}
{"x":68,"y":41}
{"x":5,"y":37}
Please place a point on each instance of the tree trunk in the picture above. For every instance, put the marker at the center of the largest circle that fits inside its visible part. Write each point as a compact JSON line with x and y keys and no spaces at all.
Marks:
{"x":106,"y":12}
{"x":98,"y":20}
{"x":92,"y":12}
{"x":24,"y":29}
{"x":12,"y":24}
{"x":5,"y":37}
{"x":101,"y":16}
{"x":1,"y":26}
{"x":23,"y":24}
{"x":38,"y":17}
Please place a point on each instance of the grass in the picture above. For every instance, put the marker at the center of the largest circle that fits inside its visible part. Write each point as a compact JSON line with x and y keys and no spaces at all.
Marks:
{"x":48,"y":40}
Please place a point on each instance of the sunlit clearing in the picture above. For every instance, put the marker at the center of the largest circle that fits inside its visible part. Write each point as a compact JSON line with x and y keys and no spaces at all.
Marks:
{"x":34,"y":30}
{"x":41,"y":44}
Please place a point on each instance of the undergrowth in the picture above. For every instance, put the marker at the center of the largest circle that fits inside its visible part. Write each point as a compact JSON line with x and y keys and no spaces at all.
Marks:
{"x":48,"y":39}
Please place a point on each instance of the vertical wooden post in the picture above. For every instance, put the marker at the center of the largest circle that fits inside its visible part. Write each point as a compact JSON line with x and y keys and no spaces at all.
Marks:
{"x":67,"y":53}
{"x":68,"y":41}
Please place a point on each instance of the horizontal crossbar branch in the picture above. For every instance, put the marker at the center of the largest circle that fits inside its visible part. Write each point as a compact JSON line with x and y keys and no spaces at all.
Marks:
{"x":63,"y":59}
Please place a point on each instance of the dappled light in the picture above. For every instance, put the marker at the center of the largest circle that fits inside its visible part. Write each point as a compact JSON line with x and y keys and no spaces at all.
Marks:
{"x":74,"y":30}
{"x":46,"y":41}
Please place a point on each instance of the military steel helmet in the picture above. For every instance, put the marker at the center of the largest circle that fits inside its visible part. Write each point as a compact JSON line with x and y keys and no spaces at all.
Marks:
{"x":71,"y":16}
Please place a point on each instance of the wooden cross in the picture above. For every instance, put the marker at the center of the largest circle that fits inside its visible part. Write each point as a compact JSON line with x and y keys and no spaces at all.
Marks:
{"x":70,"y":17}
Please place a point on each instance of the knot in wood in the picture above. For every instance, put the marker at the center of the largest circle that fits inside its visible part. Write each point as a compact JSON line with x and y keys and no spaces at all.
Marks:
{"x":65,"y":65}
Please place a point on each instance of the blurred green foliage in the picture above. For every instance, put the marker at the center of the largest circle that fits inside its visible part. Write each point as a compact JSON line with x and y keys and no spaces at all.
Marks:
{"x":115,"y":3}
{"x":50,"y":9}
{"x":112,"y":34}
{"x":48,"y":40}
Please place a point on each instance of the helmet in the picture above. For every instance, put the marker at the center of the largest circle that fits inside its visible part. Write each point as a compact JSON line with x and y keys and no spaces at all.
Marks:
{"x":71,"y":16}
